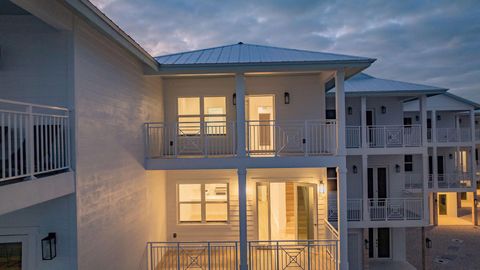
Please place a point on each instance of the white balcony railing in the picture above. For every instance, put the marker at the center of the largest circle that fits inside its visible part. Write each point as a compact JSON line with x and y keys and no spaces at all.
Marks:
{"x":34,"y":140}
{"x":353,"y":135}
{"x":455,"y":180}
{"x":291,"y":138}
{"x":446,"y":135}
{"x":395,"y":209}
{"x":394,"y":136}
{"x":354,"y":210}
{"x":413,"y":181}
{"x":208,"y":139}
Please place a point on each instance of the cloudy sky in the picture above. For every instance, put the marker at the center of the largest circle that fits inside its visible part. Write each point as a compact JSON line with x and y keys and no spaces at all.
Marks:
{"x":431,"y":42}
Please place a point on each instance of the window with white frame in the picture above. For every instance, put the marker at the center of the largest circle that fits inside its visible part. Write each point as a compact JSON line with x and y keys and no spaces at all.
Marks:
{"x":202,"y":115}
{"x":408,"y":163}
{"x":203,"y":203}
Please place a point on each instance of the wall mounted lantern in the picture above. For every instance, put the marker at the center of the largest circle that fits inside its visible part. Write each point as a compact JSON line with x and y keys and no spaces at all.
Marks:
{"x":321,"y":188}
{"x":439,"y":118}
{"x":355,"y":169}
{"x":49,"y":247}
{"x":350,"y":110}
{"x":366,"y":243}
{"x":428,"y":242}
{"x":397,"y":168}
{"x":384,"y":109}
{"x":234,"y":99}
{"x":417,"y":118}
{"x":286,"y":95}
{"x":450,"y":156}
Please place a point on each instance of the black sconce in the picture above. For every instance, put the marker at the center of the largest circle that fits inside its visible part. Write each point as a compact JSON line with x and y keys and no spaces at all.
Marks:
{"x":428,"y":242}
{"x":439,"y":118}
{"x":355,"y":169}
{"x":384,"y":109}
{"x":397,"y":168}
{"x":417,"y":118}
{"x":450,"y":156}
{"x":234,"y":99}
{"x":366,"y":243}
{"x":286,"y":95}
{"x":49,"y":247}
{"x":349,"y":110}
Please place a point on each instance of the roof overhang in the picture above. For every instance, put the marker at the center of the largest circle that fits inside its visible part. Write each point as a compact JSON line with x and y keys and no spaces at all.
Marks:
{"x":392,"y":93}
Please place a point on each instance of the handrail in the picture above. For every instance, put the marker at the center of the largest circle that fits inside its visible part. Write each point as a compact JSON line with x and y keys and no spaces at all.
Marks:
{"x":33,"y":105}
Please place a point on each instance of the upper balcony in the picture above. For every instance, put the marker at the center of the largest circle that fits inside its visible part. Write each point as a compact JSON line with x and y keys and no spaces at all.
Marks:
{"x":388,"y":136}
{"x":450,"y":135}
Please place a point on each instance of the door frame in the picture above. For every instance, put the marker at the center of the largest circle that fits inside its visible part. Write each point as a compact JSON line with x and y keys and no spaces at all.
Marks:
{"x":28,"y":237}
{"x":375,"y":180}
{"x":375,"y":246}
{"x":247,"y":104}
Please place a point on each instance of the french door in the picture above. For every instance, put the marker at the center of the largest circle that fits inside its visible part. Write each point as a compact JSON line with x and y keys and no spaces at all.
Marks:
{"x":13,"y":252}
{"x":379,"y":243}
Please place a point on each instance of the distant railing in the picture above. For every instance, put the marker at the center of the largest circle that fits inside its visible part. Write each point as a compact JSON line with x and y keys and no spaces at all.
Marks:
{"x":190,"y":139}
{"x":455,"y":180}
{"x":445,"y":135}
{"x":413,"y":181}
{"x":354,"y":210}
{"x":394,"y":136}
{"x":293,"y":254}
{"x":34,"y":139}
{"x":353,"y":137}
{"x":395,"y":209}
{"x":291,"y":138}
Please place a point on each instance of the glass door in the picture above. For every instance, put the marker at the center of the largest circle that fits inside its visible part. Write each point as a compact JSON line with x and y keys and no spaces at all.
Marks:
{"x":13,"y":253}
{"x":379,"y":243}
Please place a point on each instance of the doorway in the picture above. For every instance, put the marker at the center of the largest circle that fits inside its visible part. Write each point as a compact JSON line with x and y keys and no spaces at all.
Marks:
{"x":379,"y":243}
{"x":286,"y":211}
{"x":260,"y":114}
{"x":377,"y":183}
{"x":13,"y":252}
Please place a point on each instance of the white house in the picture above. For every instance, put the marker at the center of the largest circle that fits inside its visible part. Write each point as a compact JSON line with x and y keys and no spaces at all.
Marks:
{"x":235,"y":157}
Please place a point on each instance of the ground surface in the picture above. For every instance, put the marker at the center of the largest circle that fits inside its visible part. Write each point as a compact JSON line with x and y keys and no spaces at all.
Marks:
{"x":453,"y":247}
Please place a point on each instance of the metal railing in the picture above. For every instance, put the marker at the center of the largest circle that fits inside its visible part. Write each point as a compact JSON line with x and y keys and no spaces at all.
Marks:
{"x":354,"y":210}
{"x":413,"y":181}
{"x":455,"y":180}
{"x":291,"y":138}
{"x":395,"y":209}
{"x":293,"y":254}
{"x":394,"y":136}
{"x":445,"y":135}
{"x":208,"y":139}
{"x":34,"y":139}
{"x":353,"y":136}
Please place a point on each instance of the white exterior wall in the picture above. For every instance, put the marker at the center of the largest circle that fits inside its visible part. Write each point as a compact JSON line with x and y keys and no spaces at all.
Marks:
{"x":119,"y":204}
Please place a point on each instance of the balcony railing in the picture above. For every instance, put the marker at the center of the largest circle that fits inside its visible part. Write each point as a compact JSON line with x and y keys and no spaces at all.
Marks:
{"x":385,"y":136}
{"x":354,"y":210}
{"x":447,"y":135}
{"x":452,"y":180}
{"x":34,"y":140}
{"x":263,"y":255}
{"x":395,"y":209}
{"x":291,"y":138}
{"x":413,"y":181}
{"x":190,"y":139}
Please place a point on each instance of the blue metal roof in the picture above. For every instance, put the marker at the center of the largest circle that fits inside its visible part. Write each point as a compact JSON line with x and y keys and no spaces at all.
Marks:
{"x":242,"y":53}
{"x":366,"y":84}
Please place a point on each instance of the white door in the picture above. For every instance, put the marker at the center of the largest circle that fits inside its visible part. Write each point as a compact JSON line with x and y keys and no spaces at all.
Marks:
{"x":13,"y":252}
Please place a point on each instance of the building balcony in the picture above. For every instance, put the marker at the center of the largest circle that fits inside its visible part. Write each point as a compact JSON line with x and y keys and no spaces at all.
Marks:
{"x":450,"y":135}
{"x":413,"y":181}
{"x":384,"y":136}
{"x":455,"y":180}
{"x":219,"y":139}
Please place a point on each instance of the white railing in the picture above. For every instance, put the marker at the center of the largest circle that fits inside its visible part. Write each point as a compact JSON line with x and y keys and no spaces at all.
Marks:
{"x":34,"y":140}
{"x":455,"y":180}
{"x":190,"y":139}
{"x":353,"y":136}
{"x":445,"y":135}
{"x":394,"y":136}
{"x":193,"y":255}
{"x":354,"y":210}
{"x":395,"y":209}
{"x":290,"y":138}
{"x":293,"y":254}
{"x":413,"y":181}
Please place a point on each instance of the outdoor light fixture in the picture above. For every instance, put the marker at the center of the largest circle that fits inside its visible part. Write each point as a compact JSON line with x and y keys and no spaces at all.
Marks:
{"x":286,"y":95}
{"x":428,"y":242}
{"x":439,"y":118}
{"x":321,"y":188}
{"x":450,"y":156}
{"x":397,"y":168}
{"x":350,"y":110}
{"x":384,"y":109}
{"x":49,"y":247}
{"x":355,"y":169}
{"x":234,"y":98}
{"x":417,"y":118}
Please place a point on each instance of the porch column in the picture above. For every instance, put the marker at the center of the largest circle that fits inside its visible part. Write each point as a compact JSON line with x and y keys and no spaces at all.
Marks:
{"x":365,"y":198}
{"x":473,"y":162}
{"x":242,"y":203}
{"x":363,"y":117}
{"x":434,"y":150}
{"x":423,"y":114}
{"x":240,"y":100}
{"x":342,"y":216}
{"x":474,"y":209}
{"x":435,"y":208}
{"x":340,"y":111}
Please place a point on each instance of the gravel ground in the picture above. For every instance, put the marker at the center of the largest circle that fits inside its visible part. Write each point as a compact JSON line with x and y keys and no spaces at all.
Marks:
{"x":454,"y":247}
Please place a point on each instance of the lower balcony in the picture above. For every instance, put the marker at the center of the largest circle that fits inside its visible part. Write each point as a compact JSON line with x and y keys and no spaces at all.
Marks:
{"x":455,"y":180}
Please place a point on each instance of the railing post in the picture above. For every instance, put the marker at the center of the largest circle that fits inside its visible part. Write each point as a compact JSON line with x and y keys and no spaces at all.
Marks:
{"x":236,"y":255}
{"x":309,"y":263}
{"x":277,"y":258}
{"x":306,"y":138}
{"x":209,"y":255}
{"x":31,"y":150}
{"x":178,"y":256}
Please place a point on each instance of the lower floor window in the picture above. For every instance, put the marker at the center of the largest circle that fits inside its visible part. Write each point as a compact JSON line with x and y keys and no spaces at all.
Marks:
{"x":202,"y":203}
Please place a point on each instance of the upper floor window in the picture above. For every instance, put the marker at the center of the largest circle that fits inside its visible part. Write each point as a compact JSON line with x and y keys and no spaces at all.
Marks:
{"x":203,"y":203}
{"x":202,"y":115}
{"x":408,"y":163}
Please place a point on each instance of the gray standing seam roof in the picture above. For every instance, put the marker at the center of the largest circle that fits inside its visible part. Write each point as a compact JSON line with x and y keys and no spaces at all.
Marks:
{"x":242,"y":53}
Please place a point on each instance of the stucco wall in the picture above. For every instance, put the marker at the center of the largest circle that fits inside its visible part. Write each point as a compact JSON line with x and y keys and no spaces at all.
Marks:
{"x":118,"y":202}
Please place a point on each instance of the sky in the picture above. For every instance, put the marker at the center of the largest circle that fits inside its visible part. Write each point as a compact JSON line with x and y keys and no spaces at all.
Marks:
{"x":432,"y":42}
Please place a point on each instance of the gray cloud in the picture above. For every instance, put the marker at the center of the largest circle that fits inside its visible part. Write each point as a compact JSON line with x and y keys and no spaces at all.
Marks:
{"x":431,"y":42}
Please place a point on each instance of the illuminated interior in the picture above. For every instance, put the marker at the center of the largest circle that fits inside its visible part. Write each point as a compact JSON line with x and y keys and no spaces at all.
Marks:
{"x":200,"y":203}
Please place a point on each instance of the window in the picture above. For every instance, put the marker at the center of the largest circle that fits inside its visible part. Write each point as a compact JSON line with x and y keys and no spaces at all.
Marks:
{"x":193,"y":111}
{"x":330,"y":114}
{"x":201,"y":203}
{"x":408,"y":163}
{"x":331,"y":179}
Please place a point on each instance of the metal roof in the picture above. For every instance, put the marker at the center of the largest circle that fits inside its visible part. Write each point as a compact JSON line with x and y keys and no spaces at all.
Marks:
{"x":366,"y":84}
{"x":242,"y":53}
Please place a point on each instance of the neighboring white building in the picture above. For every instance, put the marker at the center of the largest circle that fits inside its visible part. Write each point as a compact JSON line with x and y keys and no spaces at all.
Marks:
{"x":235,"y":157}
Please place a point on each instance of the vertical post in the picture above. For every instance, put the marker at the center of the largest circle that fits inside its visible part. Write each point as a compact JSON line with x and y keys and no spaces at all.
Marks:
{"x":473,"y":162}
{"x":30,"y":151}
{"x":363,"y":127}
{"x":474,"y":208}
{"x":242,"y":202}
{"x":342,"y":216}
{"x":340,"y":111}
{"x":434,"y":150}
{"x":240,"y":96}
{"x":365,"y":187}
{"x":423,"y":114}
